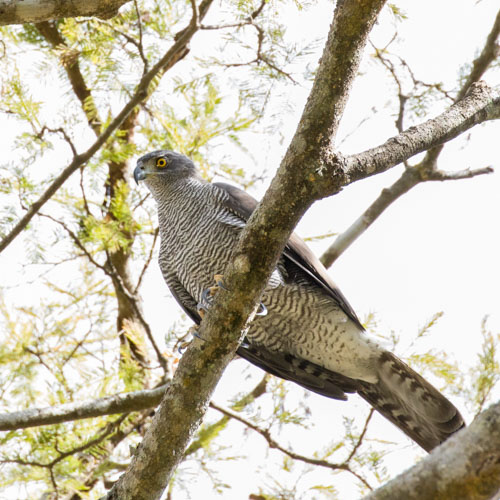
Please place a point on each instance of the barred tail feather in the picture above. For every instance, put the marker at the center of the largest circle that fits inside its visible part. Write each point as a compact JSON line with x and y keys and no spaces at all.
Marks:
{"x":411,"y":403}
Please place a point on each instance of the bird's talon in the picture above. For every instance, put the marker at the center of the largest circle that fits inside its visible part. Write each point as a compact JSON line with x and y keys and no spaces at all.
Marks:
{"x":202,"y":309}
{"x":197,"y":335}
{"x":261,"y":310}
{"x":192,"y":332}
{"x":182,"y":347}
{"x":219,"y":281}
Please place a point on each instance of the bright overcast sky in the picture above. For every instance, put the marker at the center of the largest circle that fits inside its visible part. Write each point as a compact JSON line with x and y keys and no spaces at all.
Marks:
{"x":436,"y":249}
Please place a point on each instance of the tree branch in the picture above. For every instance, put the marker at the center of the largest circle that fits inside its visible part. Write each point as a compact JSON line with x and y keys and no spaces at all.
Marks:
{"x":490,"y":52}
{"x":69,"y":60}
{"x":272,"y":443}
{"x":427,"y":168}
{"x":176,"y":52}
{"x":34,"y":11}
{"x":409,"y":179}
{"x":480,"y":105}
{"x":465,"y":467}
{"x":119,"y":403}
{"x":388,"y":195}
{"x":187,"y":398}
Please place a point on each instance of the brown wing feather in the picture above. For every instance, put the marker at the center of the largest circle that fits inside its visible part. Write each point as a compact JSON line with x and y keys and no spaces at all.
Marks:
{"x":296,"y":251}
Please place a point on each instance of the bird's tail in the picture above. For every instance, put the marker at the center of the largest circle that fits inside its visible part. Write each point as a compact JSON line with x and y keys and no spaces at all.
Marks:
{"x":411,"y":403}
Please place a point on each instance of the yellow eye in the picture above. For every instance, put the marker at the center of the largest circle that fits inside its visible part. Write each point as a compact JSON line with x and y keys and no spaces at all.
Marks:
{"x":161,"y":162}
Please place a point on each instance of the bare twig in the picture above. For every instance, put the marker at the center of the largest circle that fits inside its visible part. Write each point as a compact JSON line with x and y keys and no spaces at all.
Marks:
{"x":148,"y":261}
{"x":103,"y":434}
{"x":136,"y":43}
{"x":272,"y":443}
{"x":140,"y":47}
{"x":69,"y":60}
{"x":490,"y":52}
{"x":256,"y":13}
{"x":260,"y":57}
{"x":361,"y":436}
{"x":441,"y":175}
{"x":61,"y":131}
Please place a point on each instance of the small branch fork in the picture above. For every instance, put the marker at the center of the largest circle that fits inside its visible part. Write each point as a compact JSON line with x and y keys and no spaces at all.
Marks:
{"x":427,"y":169}
{"x":260,"y":57}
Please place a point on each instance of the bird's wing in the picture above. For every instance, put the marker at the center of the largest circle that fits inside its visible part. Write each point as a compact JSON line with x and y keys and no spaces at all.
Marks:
{"x":309,"y":375}
{"x":295,"y":252}
{"x":180,"y":294}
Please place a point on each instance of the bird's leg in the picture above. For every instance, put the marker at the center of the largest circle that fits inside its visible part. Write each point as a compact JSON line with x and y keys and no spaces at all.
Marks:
{"x":208,"y":295}
{"x":205,"y":303}
{"x":192,"y":332}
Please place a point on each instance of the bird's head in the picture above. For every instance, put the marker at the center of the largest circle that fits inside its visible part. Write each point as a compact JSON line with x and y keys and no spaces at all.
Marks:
{"x":163,"y":167}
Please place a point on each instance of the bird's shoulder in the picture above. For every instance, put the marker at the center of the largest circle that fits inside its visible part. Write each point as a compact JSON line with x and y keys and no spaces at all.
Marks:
{"x":236,"y":200}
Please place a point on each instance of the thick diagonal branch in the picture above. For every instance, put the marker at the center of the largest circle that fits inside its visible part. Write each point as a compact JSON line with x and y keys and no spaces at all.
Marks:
{"x":187,"y":398}
{"x":465,"y":467}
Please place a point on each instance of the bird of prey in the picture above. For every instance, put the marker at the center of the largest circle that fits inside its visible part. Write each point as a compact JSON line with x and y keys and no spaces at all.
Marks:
{"x":310,"y":334}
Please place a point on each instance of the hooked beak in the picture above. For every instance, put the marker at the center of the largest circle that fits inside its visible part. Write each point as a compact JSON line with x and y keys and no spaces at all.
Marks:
{"x":139,"y":173}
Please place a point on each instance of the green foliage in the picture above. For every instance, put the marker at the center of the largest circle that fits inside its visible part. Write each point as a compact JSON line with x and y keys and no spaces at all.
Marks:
{"x":477,"y":388}
{"x":65,"y":348}
{"x":83,"y":258}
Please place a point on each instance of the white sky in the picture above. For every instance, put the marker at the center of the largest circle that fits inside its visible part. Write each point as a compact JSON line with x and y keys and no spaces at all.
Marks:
{"x":436,"y":249}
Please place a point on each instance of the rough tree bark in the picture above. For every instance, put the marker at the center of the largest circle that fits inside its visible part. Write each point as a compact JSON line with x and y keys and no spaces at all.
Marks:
{"x":310,"y":170}
{"x":427,"y":169}
{"x":465,"y":467}
{"x":34,"y":11}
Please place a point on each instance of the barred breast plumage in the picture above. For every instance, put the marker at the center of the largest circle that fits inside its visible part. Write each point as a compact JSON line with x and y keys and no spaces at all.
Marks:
{"x":310,"y":335}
